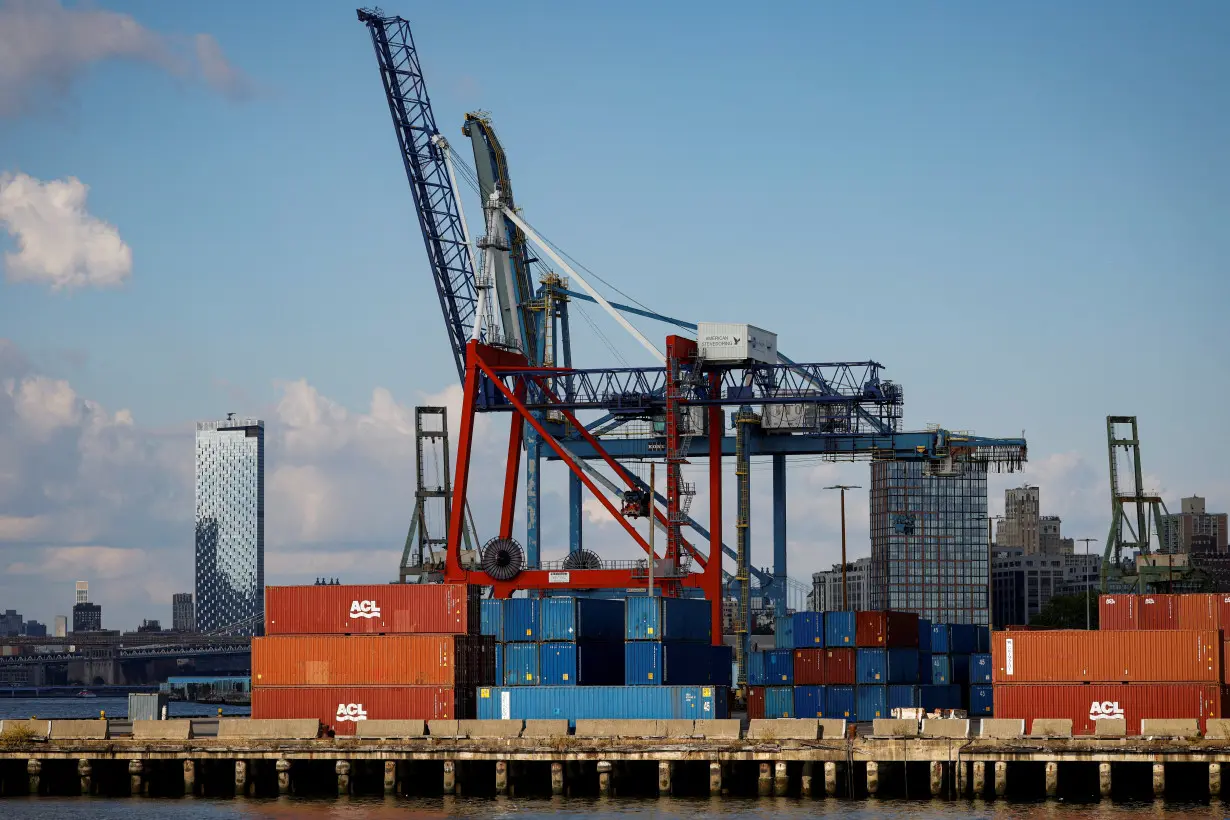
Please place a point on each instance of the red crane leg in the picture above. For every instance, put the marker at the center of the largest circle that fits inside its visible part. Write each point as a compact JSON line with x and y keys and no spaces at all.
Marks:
{"x":465,"y":441}
{"x":516,"y":433}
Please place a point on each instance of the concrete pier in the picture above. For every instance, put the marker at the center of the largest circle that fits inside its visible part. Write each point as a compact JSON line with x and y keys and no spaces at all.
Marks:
{"x":1052,"y":779}
{"x":1001,"y":778}
{"x":450,"y":777}
{"x":715,"y":779}
{"x":980,"y":778}
{"x":342,"y":767}
{"x":873,"y":777}
{"x":1159,"y":780}
{"x":501,"y":777}
{"x":604,"y":778}
{"x":936,"y":770}
{"x":282,"y":767}
{"x":764,"y":784}
{"x":85,"y":775}
{"x":390,"y":776}
{"x":664,"y":777}
{"x":1104,"y":782}
{"x":830,"y":778}
{"x":781,"y":782}
{"x":241,"y":778}
{"x":1214,"y":780}
{"x":557,"y":778}
{"x":34,"y":769}
{"x":136,"y":777}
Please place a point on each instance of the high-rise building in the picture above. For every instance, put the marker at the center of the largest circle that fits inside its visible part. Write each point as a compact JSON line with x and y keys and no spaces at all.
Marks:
{"x":929,"y":551}
{"x":183,"y":616}
{"x":11,"y":623}
{"x":1025,"y":584}
{"x":83,"y":592}
{"x":61,"y":626}
{"x":34,"y":629}
{"x":1193,"y":529}
{"x":87,"y":617}
{"x":826,"y":587}
{"x":1023,"y":526}
{"x":230,"y":525}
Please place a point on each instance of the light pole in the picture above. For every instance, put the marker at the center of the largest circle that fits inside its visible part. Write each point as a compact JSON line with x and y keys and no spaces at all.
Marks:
{"x":1086,"y":542}
{"x":845,"y":603}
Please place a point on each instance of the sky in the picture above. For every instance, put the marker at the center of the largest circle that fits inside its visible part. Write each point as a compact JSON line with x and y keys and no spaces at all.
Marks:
{"x":1018,"y":208}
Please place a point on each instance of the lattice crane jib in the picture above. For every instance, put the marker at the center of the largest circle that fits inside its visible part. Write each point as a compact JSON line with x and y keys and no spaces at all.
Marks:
{"x":1128,"y":503}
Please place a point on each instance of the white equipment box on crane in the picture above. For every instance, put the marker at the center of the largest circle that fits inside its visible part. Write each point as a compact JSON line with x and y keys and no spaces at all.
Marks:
{"x":723,"y":342}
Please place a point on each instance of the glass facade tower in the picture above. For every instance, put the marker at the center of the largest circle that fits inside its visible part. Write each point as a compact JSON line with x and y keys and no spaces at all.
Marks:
{"x":230,"y":525}
{"x":929,"y":541}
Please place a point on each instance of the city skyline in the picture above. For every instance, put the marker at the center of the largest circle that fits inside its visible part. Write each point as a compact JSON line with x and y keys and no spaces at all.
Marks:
{"x":995,"y":220}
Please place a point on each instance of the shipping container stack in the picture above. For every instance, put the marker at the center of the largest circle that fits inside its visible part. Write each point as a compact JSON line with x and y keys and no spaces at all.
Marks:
{"x":345,"y":653}
{"x":567,"y":657}
{"x":1153,"y":656}
{"x":863,"y":665}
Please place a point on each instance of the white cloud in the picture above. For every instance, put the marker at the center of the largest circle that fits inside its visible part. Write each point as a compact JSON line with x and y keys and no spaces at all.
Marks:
{"x":59,"y":242}
{"x":44,"y":47}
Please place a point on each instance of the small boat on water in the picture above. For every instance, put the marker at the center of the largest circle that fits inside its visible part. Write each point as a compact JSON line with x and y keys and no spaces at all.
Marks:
{"x":85,"y":693}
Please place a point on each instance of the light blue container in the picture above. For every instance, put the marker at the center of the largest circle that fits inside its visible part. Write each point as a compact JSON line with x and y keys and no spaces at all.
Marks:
{"x":491,"y":619}
{"x":520,"y":664}
{"x":565,"y":618}
{"x":980,"y":701}
{"x":839,"y":629}
{"x":783,"y":633}
{"x":499,"y":662}
{"x":602,"y":703}
{"x":650,"y":618}
{"x":809,"y":701}
{"x":757,"y":671}
{"x":808,"y":630}
{"x":870,"y":666}
{"x":940,"y":644}
{"x":584,"y":663}
{"x":779,"y":701}
{"x":980,"y":668}
{"x":839,"y":702}
{"x":941,"y":671}
{"x":520,"y":617}
{"x":779,"y":667}
{"x":872,"y":702}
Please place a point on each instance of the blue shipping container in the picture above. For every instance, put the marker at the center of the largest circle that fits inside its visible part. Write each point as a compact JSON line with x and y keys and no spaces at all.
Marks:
{"x":872,"y":702}
{"x":941,"y":671}
{"x":980,"y":701}
{"x":902,"y":697}
{"x":723,"y":665}
{"x":491,"y":619}
{"x":520,"y":664}
{"x":870,"y":666}
{"x":960,"y":668}
{"x":924,"y":635}
{"x":839,"y":702}
{"x":809,"y":701}
{"x":838,"y":629}
{"x":779,"y":702}
{"x":783,"y":633}
{"x":808,"y":630}
{"x":757,"y":674}
{"x":664,"y":663}
{"x":980,"y":668}
{"x":520,"y":619}
{"x":902,"y":665}
{"x":582,"y":619}
{"x":569,"y":663}
{"x":650,"y":618}
{"x":939,"y":639}
{"x":982,"y":639}
{"x":779,"y":667}
{"x":499,"y":662}
{"x":602,"y":702}
{"x":932,"y":698}
{"x":962,"y":639}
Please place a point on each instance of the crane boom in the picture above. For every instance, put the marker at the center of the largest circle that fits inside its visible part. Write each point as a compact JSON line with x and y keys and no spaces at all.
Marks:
{"x":435,"y":198}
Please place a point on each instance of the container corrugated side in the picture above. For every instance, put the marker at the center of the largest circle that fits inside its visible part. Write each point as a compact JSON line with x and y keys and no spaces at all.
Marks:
{"x":809,"y":701}
{"x":961,"y":639}
{"x":981,"y":668}
{"x":869,"y":629}
{"x":901,"y":696}
{"x":959,"y":666}
{"x":755,"y":702}
{"x":871,"y":666}
{"x":1116,"y":612}
{"x":491,"y":618}
{"x":1195,"y":611}
{"x":373,"y":660}
{"x":932,"y":698}
{"x":1077,"y":655}
{"x":941,"y":670}
{"x":839,"y":665}
{"x":521,"y":664}
{"x":808,"y":630}
{"x":147,"y":706}
{"x":839,"y":702}
{"x":557,"y":663}
{"x":658,"y":663}
{"x":372,"y":609}
{"x":901,"y":664}
{"x":779,"y":667}
{"x":586,"y":663}
{"x":871,"y":702}
{"x":565,"y":618}
{"x":778,"y":702}
{"x":341,"y":707}
{"x":521,"y":620}
{"x":722,"y":665}
{"x":840,"y":629}
{"x":809,"y":667}
{"x":686,"y":619}
{"x":1085,"y":704}
{"x":982,"y":639}
{"x":901,"y":629}
{"x":924,"y":635}
{"x":783,"y":633}
{"x":1156,"y":612}
{"x":1222,"y":602}
{"x":939,"y":639}
{"x":757,"y":671}
{"x":602,"y":702}
{"x":981,"y":700}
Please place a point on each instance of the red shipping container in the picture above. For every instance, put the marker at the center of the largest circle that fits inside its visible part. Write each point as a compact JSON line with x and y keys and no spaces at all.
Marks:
{"x":809,"y":667}
{"x":1077,"y":655}
{"x":839,"y":666}
{"x":1221,"y":603}
{"x":885,"y":629}
{"x":373,"y":660}
{"x":755,"y":703}
{"x":341,"y":707}
{"x":1156,"y":612}
{"x":1195,"y":611}
{"x":447,"y":609}
{"x":1118,"y":612}
{"x":1085,"y":705}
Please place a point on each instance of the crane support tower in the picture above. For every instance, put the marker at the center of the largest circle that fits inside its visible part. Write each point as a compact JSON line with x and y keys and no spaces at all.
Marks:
{"x":422,"y":558}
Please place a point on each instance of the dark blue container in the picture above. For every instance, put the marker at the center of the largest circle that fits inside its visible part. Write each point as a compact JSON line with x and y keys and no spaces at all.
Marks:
{"x":902,"y":697}
{"x":582,"y":619}
{"x":839,"y":629}
{"x":982,"y":639}
{"x":932,"y":698}
{"x":872,"y":702}
{"x":585,"y":663}
{"x":870,"y":666}
{"x":939,"y":639}
{"x":839,"y":702}
{"x":723,"y":665}
{"x":520,"y":664}
{"x":940,"y":671}
{"x":962,"y":639}
{"x":809,"y":701}
{"x":491,"y":619}
{"x":980,"y":698}
{"x":757,"y":674}
{"x":980,"y":668}
{"x":665,"y":663}
{"x":779,"y":702}
{"x":602,"y":702}
{"x":924,"y":667}
{"x":779,"y":667}
{"x":924,"y":635}
{"x":960,"y":669}
{"x":650,"y":618}
{"x":808,"y":630}
{"x":902,"y":665}
{"x":783,"y":633}
{"x":520,"y":620}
